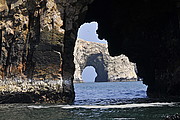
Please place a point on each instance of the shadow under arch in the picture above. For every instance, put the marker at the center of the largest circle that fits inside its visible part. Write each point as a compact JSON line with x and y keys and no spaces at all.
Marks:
{"x":96,"y":60}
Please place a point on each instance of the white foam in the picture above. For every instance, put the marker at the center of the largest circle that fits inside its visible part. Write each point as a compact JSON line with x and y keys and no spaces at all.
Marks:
{"x":118,"y":106}
{"x":37,"y":107}
{"x":102,"y":106}
{"x":44,"y":107}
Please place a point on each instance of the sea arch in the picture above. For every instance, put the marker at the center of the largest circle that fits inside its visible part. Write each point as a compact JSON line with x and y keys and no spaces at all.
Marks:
{"x":95,"y":60}
{"x":84,"y":57}
{"x":108,"y":68}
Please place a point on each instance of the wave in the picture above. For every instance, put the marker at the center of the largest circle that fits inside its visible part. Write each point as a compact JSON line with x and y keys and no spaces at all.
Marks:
{"x":103,"y":106}
{"x":44,"y":106}
{"x":119,"y":106}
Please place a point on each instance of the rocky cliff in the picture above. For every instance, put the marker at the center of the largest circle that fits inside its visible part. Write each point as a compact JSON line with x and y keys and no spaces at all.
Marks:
{"x":37,"y":40}
{"x":32,"y":40}
{"x":108,"y":68}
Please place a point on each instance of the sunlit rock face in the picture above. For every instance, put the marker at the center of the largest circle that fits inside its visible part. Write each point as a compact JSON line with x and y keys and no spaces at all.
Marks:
{"x":108,"y":69}
{"x":31,"y":48}
{"x":32,"y":40}
{"x":3,"y":5}
{"x":37,"y":40}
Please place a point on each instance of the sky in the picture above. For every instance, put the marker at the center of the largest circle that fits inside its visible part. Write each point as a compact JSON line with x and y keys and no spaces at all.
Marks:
{"x":89,"y":74}
{"x":87,"y":32}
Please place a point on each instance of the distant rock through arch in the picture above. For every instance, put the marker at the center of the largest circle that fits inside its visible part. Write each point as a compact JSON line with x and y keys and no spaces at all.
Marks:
{"x":108,"y":68}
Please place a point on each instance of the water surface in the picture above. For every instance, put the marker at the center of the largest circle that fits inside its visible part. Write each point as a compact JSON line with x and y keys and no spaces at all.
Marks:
{"x":108,"y":92}
{"x":97,"y":101}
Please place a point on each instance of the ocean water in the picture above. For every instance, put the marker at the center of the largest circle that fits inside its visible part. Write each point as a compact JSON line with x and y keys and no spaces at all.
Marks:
{"x":106,"y":93}
{"x":97,"y":101}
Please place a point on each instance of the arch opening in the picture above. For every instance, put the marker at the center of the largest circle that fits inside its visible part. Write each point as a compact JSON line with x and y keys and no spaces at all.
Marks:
{"x":91,"y":51}
{"x":99,"y":66}
{"x":147,"y":31}
{"x":89,"y":74}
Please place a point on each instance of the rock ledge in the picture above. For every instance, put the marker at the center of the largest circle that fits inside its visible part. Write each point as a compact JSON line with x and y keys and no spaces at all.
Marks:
{"x":18,"y":91}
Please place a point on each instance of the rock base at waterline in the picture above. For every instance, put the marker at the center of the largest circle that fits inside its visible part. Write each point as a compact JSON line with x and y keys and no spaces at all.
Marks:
{"x":34,"y":92}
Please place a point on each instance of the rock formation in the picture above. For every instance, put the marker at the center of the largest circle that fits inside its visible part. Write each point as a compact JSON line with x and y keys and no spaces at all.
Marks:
{"x":37,"y":39}
{"x":32,"y":38}
{"x":108,"y":69}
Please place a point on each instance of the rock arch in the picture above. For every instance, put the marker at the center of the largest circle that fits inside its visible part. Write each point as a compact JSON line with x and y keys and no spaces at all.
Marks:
{"x":107,"y":68}
{"x":95,"y":60}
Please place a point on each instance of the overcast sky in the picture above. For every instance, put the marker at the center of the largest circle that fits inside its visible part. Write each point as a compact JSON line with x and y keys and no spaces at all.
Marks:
{"x":87,"y":32}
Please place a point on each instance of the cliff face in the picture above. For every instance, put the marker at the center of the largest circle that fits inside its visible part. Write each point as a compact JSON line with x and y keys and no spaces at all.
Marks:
{"x":37,"y":41}
{"x":108,"y":69}
{"x":32,"y":38}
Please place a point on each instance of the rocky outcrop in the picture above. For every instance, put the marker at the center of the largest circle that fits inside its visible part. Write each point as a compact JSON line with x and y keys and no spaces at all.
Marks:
{"x":49,"y":91}
{"x":31,"y":43}
{"x":37,"y":40}
{"x":108,"y":69}
{"x":32,"y":40}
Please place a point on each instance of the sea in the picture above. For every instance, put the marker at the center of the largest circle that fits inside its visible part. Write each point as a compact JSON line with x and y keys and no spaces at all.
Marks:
{"x":97,"y":101}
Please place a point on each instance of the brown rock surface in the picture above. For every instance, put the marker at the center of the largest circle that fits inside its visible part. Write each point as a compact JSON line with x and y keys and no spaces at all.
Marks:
{"x":37,"y":38}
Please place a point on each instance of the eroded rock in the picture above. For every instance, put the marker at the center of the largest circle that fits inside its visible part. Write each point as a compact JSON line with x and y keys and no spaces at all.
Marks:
{"x":108,"y":68}
{"x":36,"y":41}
